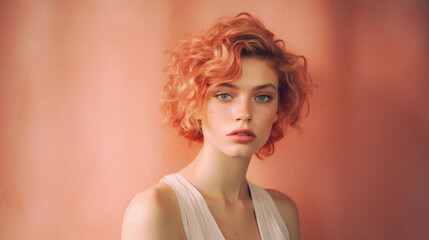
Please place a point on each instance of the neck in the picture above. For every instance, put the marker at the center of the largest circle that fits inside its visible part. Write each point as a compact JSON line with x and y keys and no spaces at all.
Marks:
{"x":217,"y":176}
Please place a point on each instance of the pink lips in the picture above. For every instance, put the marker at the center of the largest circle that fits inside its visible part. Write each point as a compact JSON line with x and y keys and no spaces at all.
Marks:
{"x":242,"y":135}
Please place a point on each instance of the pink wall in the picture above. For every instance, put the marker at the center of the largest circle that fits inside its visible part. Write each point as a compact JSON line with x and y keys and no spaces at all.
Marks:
{"x":80,"y":124}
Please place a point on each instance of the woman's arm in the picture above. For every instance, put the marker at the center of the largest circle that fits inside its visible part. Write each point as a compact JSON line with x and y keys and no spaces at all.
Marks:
{"x":152,"y":214}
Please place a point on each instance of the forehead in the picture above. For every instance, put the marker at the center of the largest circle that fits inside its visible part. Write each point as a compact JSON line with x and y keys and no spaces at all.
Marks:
{"x":255,"y":72}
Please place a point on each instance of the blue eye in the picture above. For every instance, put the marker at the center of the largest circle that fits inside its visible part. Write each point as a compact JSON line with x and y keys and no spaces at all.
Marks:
{"x":224,"y":96}
{"x":263,"y":98}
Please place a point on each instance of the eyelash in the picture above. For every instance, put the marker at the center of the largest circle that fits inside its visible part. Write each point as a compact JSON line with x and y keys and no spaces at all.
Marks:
{"x":267,"y":98}
{"x":222,"y":95}
{"x":226,"y":96}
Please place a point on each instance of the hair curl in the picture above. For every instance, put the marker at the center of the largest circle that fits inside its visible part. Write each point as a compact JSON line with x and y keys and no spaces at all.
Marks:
{"x":214,"y":57}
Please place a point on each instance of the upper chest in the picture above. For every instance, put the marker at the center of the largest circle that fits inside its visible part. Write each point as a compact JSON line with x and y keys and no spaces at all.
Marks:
{"x":238,"y":222}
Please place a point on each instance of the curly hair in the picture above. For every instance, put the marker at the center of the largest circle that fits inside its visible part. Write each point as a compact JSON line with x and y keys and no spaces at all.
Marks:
{"x":214,"y":57}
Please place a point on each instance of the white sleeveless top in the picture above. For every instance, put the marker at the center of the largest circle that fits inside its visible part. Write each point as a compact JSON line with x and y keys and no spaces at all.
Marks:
{"x":199,"y":223}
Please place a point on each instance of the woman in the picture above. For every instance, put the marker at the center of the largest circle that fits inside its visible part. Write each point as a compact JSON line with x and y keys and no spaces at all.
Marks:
{"x":236,"y":89}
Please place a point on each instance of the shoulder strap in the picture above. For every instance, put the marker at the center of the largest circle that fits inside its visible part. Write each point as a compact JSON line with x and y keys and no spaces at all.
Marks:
{"x":198,"y":222}
{"x":270,"y":222}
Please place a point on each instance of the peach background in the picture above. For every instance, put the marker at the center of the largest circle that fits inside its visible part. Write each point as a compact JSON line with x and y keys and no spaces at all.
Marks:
{"x":80,"y":123}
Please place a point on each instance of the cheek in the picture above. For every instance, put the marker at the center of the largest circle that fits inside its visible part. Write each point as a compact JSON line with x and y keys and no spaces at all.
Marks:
{"x":268,"y":118}
{"x":215,"y":112}
{"x":269,"y":115}
{"x":267,"y":123}
{"x":213,"y":117}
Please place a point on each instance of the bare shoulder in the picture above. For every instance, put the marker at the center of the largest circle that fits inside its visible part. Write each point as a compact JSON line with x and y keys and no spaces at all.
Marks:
{"x":283,"y":202}
{"x":289,"y":212}
{"x":153,"y":214}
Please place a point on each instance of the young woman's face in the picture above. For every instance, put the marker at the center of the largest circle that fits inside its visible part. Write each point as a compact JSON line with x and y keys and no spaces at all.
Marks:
{"x":239,"y":115}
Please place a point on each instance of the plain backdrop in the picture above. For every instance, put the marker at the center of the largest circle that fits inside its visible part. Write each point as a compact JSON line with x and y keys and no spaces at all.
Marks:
{"x":81,"y":132}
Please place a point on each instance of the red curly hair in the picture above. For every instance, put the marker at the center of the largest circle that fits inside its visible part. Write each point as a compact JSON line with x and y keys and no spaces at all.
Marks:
{"x":202,"y":61}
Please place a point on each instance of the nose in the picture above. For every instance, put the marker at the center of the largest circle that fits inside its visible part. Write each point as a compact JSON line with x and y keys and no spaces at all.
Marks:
{"x":243,"y":111}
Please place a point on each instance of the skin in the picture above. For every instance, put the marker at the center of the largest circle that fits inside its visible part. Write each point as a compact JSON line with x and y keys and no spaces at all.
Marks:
{"x":220,"y":168}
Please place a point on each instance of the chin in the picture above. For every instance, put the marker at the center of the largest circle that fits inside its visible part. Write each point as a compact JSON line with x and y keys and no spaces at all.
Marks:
{"x":240,"y":152}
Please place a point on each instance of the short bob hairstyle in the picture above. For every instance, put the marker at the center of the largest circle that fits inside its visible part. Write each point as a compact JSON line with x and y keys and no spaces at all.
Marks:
{"x":214,"y":57}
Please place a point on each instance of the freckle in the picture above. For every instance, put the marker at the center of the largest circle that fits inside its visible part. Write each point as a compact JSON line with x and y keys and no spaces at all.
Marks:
{"x":133,"y":214}
{"x":127,"y":211}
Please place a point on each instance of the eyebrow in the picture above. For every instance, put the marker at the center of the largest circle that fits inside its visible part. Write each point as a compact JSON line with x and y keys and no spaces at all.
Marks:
{"x":268,"y":85}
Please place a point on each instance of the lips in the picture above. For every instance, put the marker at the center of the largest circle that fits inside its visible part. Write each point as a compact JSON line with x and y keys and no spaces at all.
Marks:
{"x":242,"y":135}
{"x":242,"y":132}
